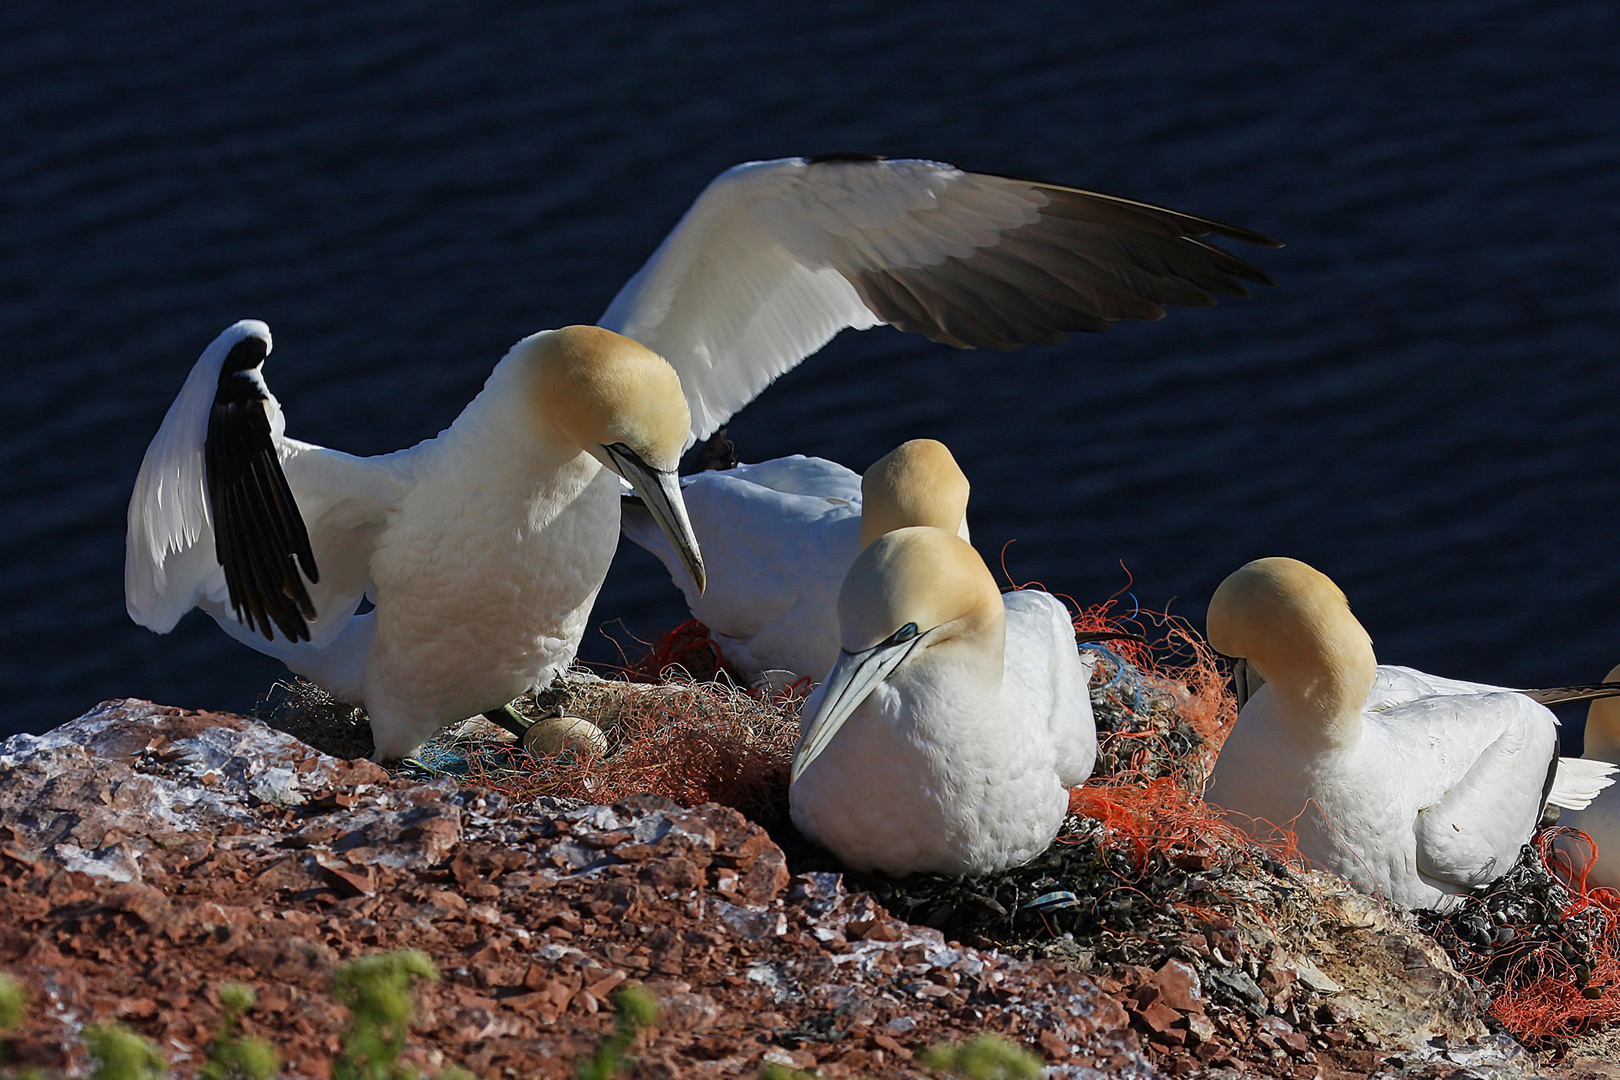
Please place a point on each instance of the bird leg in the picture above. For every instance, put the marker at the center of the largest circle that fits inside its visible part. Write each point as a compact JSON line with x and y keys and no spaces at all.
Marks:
{"x":510,"y":719}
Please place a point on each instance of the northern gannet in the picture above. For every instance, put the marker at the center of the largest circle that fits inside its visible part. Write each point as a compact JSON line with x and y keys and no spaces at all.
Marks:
{"x":488,"y":561}
{"x":946,"y":737}
{"x":1601,"y":819}
{"x":780,"y":536}
{"x":481,"y":549}
{"x":1410,"y":785}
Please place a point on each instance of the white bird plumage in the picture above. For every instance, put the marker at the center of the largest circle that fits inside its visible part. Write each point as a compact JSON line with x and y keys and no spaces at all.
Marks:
{"x":948,"y":734}
{"x":482,"y":549}
{"x":780,"y":535}
{"x":1414,"y":786}
{"x":775,"y":257}
{"x":771,"y":261}
{"x":1600,"y":820}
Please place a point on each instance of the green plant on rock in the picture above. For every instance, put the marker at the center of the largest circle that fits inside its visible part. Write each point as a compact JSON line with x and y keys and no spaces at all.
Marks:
{"x":13,"y":1014}
{"x":633,"y":1009}
{"x":378,"y":991}
{"x":232,"y":1057}
{"x":774,"y":1070}
{"x":117,"y":1053}
{"x":983,"y":1057}
{"x":13,"y":1004}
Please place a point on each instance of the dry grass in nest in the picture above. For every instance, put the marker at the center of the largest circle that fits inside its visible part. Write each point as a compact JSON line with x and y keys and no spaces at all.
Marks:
{"x":311,"y":715}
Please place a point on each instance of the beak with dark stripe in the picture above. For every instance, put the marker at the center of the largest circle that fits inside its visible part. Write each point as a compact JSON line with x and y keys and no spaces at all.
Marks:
{"x":852,"y":678}
{"x":660,"y":491}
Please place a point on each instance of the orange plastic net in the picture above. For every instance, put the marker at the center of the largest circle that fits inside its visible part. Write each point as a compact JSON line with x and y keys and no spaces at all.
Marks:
{"x":1172,"y":674}
{"x":1565,"y":980}
{"x":687,"y":651}
{"x":1161,"y":815}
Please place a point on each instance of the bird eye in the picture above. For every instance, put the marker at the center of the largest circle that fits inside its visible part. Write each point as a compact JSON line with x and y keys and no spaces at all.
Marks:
{"x":903,"y":635}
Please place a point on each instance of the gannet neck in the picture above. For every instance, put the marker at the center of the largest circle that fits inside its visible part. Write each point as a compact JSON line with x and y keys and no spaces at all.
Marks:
{"x":1294,"y":625}
{"x":928,"y":578}
{"x":1603,"y":725}
{"x":917,"y":483}
{"x":621,"y":403}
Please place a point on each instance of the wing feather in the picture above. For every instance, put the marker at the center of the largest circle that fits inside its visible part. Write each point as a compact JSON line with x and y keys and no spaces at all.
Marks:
{"x":775,"y":257}
{"x":260,"y":537}
{"x":229,"y":515}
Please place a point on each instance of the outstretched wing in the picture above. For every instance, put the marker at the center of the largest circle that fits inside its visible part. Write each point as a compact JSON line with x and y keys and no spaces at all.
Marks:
{"x":227,"y":511}
{"x":775,"y":257}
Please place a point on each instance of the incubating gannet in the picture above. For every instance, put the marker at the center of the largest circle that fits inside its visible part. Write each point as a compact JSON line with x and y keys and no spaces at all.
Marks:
{"x":946,"y":737}
{"x":481,"y":549}
{"x":779,"y":537}
{"x":1601,"y":819}
{"x":1417,"y":787}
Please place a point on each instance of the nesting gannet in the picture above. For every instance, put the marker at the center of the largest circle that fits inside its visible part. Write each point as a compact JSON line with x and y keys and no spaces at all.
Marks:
{"x":779,"y":537}
{"x":947,"y":735}
{"x":1417,"y":787}
{"x":1601,"y":819}
{"x":481,"y":549}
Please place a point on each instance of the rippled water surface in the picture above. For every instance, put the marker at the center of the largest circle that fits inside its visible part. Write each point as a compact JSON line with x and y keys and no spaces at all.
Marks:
{"x":1425,"y":407}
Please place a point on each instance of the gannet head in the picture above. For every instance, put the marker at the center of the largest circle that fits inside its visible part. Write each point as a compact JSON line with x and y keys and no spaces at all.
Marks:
{"x":916,"y":483}
{"x":910,"y":592}
{"x":622,"y":404}
{"x":1603,"y":725}
{"x":1294,"y":625}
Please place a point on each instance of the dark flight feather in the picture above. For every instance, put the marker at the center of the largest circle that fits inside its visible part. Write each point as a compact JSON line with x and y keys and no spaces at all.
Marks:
{"x":259,"y":534}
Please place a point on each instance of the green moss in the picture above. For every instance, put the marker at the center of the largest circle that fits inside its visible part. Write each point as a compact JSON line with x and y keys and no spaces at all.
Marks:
{"x":117,"y":1053}
{"x":378,"y":991}
{"x":13,"y":1004}
{"x":776,"y":1071}
{"x":983,"y":1057}
{"x":230,"y":1056}
{"x":633,"y":1009}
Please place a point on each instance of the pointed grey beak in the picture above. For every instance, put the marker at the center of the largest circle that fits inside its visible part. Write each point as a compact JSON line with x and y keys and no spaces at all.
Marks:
{"x":852,"y":678}
{"x":1246,"y":681}
{"x":660,"y":490}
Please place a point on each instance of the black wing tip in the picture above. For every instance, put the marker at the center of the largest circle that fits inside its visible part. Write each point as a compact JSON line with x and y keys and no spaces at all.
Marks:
{"x":1208,"y":225}
{"x":844,"y":157}
{"x":1565,"y":695}
{"x":1196,"y":222}
{"x":260,"y":538}
{"x":245,"y":355}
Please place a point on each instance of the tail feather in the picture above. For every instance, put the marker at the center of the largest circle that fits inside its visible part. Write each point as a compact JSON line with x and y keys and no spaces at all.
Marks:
{"x":1578,"y":781}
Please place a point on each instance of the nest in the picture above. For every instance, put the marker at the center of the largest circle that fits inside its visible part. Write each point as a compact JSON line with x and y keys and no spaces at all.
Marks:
{"x":308,"y":713}
{"x":1142,"y":871}
{"x":1541,"y":949}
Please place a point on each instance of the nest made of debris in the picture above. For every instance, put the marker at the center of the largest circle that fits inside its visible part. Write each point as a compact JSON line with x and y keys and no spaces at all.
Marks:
{"x":1541,"y":948}
{"x":1143,"y":872}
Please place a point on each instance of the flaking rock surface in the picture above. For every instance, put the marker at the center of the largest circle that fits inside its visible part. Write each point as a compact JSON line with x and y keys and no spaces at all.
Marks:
{"x":150,"y":854}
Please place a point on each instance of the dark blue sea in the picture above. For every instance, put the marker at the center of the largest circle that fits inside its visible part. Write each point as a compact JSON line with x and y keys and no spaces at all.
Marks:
{"x":1427,"y":407}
